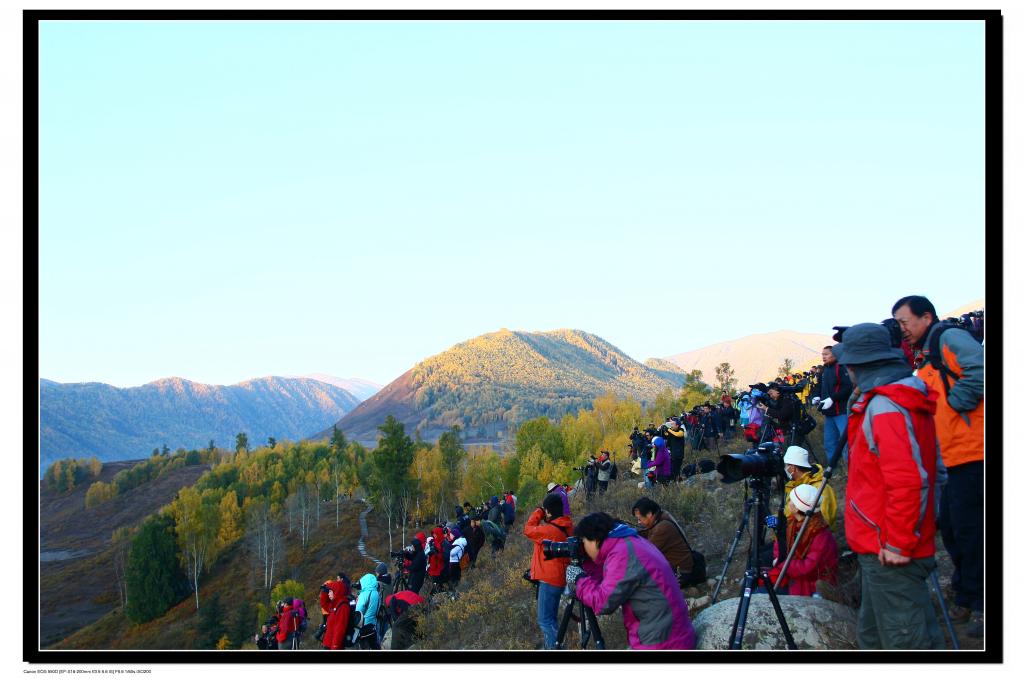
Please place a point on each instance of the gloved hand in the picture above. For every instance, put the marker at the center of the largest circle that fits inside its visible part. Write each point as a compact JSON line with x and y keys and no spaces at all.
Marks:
{"x":772,"y":522}
{"x":826,"y":403}
{"x":572,"y":573}
{"x":815,"y":400}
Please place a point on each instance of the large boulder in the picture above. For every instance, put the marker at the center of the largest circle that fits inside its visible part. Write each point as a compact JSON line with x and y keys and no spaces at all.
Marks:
{"x":814,"y":624}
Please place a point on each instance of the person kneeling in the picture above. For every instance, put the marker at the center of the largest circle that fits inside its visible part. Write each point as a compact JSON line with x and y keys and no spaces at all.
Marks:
{"x":623,"y":569}
{"x":817,"y":556}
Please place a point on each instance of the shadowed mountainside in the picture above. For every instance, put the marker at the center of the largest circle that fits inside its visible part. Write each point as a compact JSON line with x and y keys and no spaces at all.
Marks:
{"x":110,"y":423}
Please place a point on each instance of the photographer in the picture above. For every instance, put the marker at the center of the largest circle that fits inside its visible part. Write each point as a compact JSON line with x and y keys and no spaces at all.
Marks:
{"x":267,"y":637}
{"x":368,"y":604}
{"x":560,"y":491}
{"x":781,"y":408}
{"x":666,"y":534}
{"x":833,"y":393}
{"x":675,"y":436}
{"x":817,"y":556}
{"x":476,"y":539}
{"x":604,"y":472}
{"x":415,"y":554}
{"x":625,"y":570}
{"x":437,"y":564}
{"x":662,"y":463}
{"x":800,"y":471}
{"x":548,"y":523}
{"x":339,"y":612}
{"x":890,"y":492}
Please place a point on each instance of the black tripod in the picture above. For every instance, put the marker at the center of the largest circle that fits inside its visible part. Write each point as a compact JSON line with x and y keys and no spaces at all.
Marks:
{"x":755,"y":574}
{"x":586,"y":623}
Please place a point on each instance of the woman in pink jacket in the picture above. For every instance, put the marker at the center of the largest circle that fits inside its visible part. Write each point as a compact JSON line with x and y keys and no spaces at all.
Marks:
{"x":817,"y":556}
{"x":623,"y":569}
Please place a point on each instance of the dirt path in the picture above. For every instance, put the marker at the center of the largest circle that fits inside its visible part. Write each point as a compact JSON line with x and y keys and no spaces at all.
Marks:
{"x":363,"y":533}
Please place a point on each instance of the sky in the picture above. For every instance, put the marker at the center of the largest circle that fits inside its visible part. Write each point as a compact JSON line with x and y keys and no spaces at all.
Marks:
{"x":227,"y":200}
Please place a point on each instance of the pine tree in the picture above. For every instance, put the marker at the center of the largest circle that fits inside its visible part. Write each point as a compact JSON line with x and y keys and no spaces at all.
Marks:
{"x":153,"y":577}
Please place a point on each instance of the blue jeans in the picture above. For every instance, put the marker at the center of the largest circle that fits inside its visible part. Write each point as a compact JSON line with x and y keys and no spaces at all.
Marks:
{"x":833,"y":430}
{"x":548,"y":597}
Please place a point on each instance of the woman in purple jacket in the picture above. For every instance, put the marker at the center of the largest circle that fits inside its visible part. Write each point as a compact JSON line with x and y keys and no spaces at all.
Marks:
{"x":662,"y":460}
{"x":626,"y":570}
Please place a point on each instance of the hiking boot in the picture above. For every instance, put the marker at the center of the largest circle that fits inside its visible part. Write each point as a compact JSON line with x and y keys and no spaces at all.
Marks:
{"x":976,"y":628}
{"x":959,"y":614}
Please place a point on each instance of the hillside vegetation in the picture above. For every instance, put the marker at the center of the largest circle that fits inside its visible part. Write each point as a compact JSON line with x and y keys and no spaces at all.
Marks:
{"x":109,"y":423}
{"x":490,"y":384}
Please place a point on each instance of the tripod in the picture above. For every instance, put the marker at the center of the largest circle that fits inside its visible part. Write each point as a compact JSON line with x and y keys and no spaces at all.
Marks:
{"x":586,"y":623}
{"x":754,"y":574}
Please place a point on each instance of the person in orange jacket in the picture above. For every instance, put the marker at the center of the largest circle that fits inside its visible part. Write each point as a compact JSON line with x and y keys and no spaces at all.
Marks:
{"x":547,"y":522}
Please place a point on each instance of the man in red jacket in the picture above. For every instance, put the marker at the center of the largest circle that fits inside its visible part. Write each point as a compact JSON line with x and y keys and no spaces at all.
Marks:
{"x":548,"y":523}
{"x":890,"y":492}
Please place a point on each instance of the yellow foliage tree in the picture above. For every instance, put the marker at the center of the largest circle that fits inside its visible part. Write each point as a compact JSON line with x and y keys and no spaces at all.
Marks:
{"x":230,"y":522}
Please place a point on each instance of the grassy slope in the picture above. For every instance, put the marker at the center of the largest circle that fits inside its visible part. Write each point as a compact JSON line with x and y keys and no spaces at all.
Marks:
{"x":65,"y":525}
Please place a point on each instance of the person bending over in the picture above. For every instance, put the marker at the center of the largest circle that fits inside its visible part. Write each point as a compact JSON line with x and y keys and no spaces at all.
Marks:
{"x":623,"y":569}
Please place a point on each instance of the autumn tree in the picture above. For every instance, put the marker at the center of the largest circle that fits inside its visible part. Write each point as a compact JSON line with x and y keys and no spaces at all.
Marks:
{"x":241,"y":443}
{"x":263,"y":538}
{"x":725,"y":377}
{"x":196,"y":521}
{"x":786,"y":367}
{"x":120,"y":545}
{"x":452,"y":456}
{"x":271,"y":442}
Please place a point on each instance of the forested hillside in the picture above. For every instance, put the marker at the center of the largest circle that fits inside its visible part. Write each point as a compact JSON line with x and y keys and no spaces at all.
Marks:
{"x":109,"y":423}
{"x":491,"y":383}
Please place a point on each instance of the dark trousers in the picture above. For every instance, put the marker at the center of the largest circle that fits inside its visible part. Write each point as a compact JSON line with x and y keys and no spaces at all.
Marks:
{"x":416,"y":581}
{"x":676,"y":459}
{"x":960,"y":522}
{"x":896,"y":610}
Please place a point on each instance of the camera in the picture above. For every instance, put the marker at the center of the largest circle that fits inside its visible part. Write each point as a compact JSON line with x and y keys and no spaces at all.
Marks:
{"x":398,"y":555}
{"x":763,"y":462}
{"x":570,"y":549}
{"x":891,"y":326}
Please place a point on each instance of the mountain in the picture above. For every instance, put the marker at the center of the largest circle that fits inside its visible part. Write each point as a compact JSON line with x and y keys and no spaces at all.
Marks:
{"x":756,"y":357}
{"x":360,"y":388}
{"x":493,"y":381}
{"x":94,"y":419}
{"x":966,"y":308}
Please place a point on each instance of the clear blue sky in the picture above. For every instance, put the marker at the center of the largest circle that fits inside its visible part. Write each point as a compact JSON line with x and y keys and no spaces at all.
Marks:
{"x":227,"y":200}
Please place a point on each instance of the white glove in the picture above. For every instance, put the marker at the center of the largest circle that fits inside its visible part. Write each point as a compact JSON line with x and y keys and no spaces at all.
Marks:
{"x":826,"y":403}
{"x":815,"y":400}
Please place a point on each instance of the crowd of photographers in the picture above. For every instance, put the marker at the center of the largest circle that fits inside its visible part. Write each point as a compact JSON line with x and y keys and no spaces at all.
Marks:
{"x":903,"y":407}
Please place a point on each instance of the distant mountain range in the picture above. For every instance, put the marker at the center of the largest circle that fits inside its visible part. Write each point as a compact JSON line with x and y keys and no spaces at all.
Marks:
{"x":756,"y":357}
{"x":93,"y":419}
{"x":494,"y":381}
{"x":360,"y":388}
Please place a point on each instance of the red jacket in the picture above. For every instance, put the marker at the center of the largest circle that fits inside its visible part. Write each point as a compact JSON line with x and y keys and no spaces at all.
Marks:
{"x":285,"y":624}
{"x":550,"y":571}
{"x":890,"y":492}
{"x":821,"y":563}
{"x":337,"y":621}
{"x":436,"y":560}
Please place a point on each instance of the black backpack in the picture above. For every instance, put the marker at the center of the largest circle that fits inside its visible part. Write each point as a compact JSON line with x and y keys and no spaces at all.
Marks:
{"x":615,"y":472}
{"x":355,"y":622}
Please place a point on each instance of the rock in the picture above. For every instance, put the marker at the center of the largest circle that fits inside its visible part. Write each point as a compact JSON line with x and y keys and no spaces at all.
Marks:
{"x":814,"y":623}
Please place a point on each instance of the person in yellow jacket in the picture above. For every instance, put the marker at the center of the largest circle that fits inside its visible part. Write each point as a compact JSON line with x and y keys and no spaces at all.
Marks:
{"x":800,"y":471}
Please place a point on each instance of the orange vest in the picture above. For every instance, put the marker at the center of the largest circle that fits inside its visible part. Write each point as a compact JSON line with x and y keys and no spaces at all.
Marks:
{"x":961,"y":435}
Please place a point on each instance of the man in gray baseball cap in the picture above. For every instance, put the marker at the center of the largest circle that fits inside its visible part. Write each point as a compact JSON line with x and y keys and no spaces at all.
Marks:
{"x":890,"y":493}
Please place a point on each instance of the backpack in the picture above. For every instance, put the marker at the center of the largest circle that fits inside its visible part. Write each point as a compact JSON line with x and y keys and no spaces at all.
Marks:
{"x":299,"y":610}
{"x":935,"y":351}
{"x":464,"y":560}
{"x":355,"y":622}
{"x":615,"y":472}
